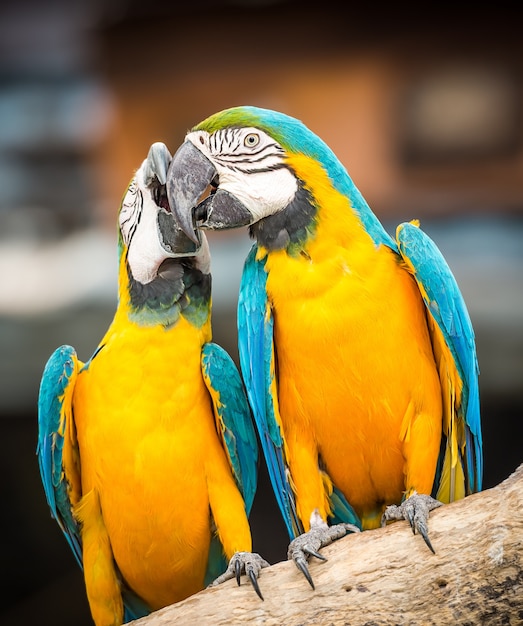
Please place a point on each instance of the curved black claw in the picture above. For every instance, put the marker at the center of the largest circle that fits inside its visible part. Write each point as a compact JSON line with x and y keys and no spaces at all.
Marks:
{"x":308,"y":544}
{"x":254,"y":582}
{"x":301,"y":564}
{"x":238,"y":570}
{"x":248,"y":563}
{"x":415,"y":509}
{"x":316,"y":554}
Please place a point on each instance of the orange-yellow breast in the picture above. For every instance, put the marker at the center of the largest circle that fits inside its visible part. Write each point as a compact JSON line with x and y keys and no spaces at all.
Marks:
{"x":147,"y":443}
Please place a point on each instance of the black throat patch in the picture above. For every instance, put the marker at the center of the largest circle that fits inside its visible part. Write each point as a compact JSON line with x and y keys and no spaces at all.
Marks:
{"x":289,"y":228}
{"x":179,"y":289}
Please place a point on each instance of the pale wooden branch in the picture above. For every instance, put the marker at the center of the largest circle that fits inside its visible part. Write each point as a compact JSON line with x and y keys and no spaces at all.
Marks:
{"x":388,"y":576}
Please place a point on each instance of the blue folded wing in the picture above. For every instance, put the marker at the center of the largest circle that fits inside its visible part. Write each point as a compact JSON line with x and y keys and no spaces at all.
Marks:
{"x":454,"y":345}
{"x":257,"y":361}
{"x":233,"y":415}
{"x":56,"y":442}
{"x":234,"y":420}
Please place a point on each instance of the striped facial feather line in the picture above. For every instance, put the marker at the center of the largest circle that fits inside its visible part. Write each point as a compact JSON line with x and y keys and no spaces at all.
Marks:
{"x":232,"y":160}
{"x":254,"y":156}
{"x":131,"y":212}
{"x":245,"y":157}
{"x":259,"y":170}
{"x":233,"y":156}
{"x":231,"y":142}
{"x":237,"y":152}
{"x":226,"y":139}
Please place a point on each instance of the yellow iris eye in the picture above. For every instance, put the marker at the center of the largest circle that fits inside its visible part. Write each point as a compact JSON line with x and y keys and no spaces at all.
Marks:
{"x":251,"y":140}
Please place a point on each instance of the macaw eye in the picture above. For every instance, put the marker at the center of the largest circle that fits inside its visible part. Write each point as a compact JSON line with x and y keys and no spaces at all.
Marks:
{"x":251,"y":140}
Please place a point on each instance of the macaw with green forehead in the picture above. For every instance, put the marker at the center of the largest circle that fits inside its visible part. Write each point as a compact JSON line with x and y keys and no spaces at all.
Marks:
{"x":356,"y":348}
{"x":147,"y":451}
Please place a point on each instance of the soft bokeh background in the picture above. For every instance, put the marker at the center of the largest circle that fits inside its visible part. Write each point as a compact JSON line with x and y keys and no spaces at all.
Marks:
{"x":425,"y":110}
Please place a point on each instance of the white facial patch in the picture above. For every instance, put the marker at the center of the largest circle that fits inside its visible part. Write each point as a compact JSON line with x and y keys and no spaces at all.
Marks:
{"x":262,"y":193}
{"x":250,"y":165}
{"x":139,"y":228}
{"x":145,"y":254}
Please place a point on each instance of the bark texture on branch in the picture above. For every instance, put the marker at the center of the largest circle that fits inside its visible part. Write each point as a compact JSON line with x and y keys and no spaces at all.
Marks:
{"x":388,"y":577}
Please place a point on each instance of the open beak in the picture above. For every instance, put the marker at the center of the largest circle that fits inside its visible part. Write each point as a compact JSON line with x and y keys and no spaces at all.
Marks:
{"x":171,"y":236}
{"x":189,"y":175}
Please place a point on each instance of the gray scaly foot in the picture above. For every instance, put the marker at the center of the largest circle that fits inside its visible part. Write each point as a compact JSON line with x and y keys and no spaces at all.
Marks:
{"x":319,"y":536}
{"x":248,"y":563}
{"x":415,"y":509}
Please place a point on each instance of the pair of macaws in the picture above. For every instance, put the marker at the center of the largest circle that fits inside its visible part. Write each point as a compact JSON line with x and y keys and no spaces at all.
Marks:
{"x":357,"y":357}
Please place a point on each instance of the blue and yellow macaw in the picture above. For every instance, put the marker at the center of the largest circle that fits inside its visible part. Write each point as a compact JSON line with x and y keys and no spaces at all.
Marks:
{"x":356,"y":348}
{"x":147,"y":451}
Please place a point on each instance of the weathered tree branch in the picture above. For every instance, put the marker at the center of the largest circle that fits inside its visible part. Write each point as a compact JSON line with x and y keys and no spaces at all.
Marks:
{"x":388,"y":576}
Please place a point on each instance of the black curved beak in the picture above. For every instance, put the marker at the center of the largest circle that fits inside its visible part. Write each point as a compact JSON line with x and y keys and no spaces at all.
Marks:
{"x":188,"y":176}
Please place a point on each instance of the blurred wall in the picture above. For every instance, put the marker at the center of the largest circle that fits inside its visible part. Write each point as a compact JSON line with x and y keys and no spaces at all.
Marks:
{"x":425,"y":112}
{"x":380,"y":93}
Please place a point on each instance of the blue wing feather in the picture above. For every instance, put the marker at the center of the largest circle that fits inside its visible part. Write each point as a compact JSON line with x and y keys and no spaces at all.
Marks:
{"x":234,"y":419}
{"x":234,"y":416}
{"x":445,"y":304}
{"x":342,"y":511}
{"x":256,"y":351}
{"x":60,"y":372}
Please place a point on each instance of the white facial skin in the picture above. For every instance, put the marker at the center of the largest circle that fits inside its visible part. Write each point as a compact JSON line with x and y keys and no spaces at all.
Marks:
{"x":139,"y":228}
{"x":249,"y":166}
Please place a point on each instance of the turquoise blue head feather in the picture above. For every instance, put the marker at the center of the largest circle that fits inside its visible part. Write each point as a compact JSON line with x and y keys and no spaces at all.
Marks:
{"x":243,"y":154}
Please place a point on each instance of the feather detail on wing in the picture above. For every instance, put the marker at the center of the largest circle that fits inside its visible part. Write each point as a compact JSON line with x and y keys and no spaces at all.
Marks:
{"x":234,"y":423}
{"x":257,"y":360}
{"x":57,"y":448}
{"x":233,"y":418}
{"x":460,"y":464}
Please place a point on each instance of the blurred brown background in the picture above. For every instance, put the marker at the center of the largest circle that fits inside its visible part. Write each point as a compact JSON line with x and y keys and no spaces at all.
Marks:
{"x":425,"y":110}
